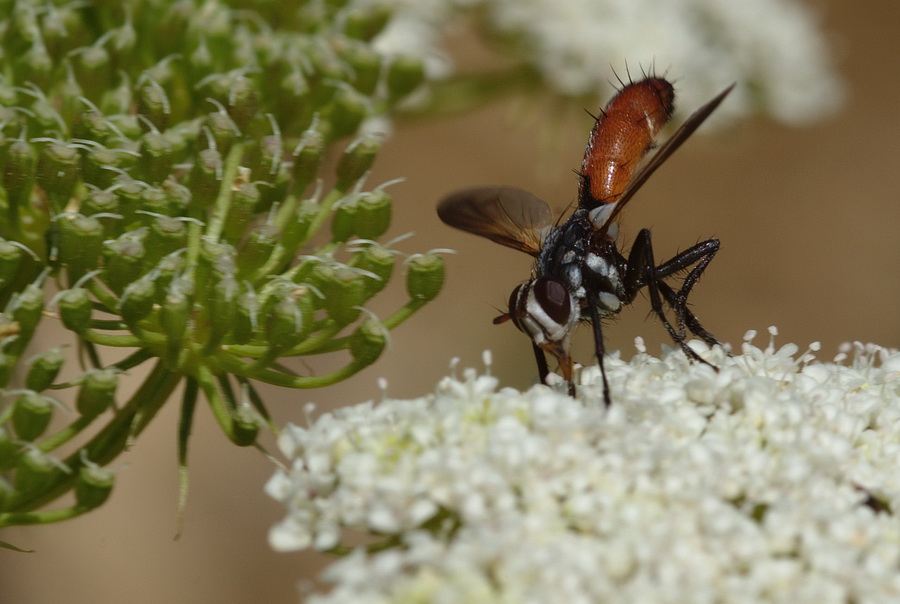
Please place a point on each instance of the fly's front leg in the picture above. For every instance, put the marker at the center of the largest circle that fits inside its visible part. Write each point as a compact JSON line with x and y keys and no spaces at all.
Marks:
{"x":600,"y":349}
{"x":543,"y":370}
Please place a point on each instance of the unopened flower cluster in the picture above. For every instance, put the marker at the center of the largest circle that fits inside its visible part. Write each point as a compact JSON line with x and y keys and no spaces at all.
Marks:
{"x":772,"y":480}
{"x":166,"y":189}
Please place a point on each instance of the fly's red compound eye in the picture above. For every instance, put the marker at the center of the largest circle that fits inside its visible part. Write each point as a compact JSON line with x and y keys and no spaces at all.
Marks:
{"x":553,"y":298}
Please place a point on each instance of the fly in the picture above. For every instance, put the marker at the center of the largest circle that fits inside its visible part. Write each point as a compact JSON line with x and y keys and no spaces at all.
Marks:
{"x":580,"y":275}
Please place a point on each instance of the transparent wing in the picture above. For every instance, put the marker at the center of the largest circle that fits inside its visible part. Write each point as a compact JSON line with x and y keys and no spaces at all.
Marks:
{"x":506,"y":215}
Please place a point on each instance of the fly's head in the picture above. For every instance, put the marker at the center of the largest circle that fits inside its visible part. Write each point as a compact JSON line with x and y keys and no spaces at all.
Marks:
{"x":544,"y":309}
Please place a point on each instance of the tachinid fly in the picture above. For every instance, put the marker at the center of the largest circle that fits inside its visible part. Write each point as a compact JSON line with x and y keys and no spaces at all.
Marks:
{"x":579,"y":272}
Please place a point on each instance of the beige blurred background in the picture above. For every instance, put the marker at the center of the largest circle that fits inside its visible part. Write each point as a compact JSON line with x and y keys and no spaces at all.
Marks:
{"x":809,"y":223}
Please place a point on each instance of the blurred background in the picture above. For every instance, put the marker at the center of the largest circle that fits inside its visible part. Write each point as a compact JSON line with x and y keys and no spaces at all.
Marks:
{"x":808,"y":219}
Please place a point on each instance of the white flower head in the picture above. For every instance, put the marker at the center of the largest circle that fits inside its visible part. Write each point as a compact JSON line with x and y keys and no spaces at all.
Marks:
{"x":773,"y":49}
{"x":773,"y":478}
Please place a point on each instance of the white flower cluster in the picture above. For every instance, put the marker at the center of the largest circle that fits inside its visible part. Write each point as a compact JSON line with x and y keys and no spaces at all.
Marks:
{"x":774,"y":479}
{"x":772,"y":48}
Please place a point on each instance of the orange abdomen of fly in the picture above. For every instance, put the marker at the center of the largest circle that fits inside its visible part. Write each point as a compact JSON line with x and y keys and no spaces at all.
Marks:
{"x":623,"y":133}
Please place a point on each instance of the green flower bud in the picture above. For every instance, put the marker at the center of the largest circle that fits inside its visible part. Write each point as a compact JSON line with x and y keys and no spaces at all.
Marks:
{"x":154,"y":201}
{"x":292,"y":98}
{"x":349,"y":108}
{"x":182,"y":137}
{"x":344,"y":290}
{"x":57,"y":173}
{"x":165,"y":272}
{"x":245,"y":427}
{"x":368,"y":341}
{"x":406,"y":73}
{"x":257,"y":248}
{"x":215,"y":262}
{"x":97,"y":392}
{"x":57,"y":27}
{"x":137,"y":301}
{"x":80,"y":242}
{"x":123,"y":40}
{"x":10,"y":261}
{"x":99,"y":200}
{"x":288,"y":322}
{"x":18,"y":174}
{"x":34,"y":65}
{"x":156,"y":157}
{"x":123,"y":258}
{"x":31,"y":415}
{"x":224,"y":130}
{"x":222,"y":309}
{"x":44,"y":369}
{"x":242,"y":101}
{"x":153,"y":103}
{"x":206,"y":177}
{"x":177,"y":195}
{"x":377,"y":260}
{"x":307,"y":159}
{"x":373,"y":214}
{"x":264,"y":159}
{"x":166,"y":235}
{"x":241,"y":211}
{"x":75,"y":311}
{"x":27,"y":307}
{"x":100,"y":166}
{"x":296,"y":233}
{"x":129,"y":125}
{"x":343,"y":221}
{"x":366,"y":23}
{"x":92,"y":69}
{"x":174,"y":317}
{"x":276,"y":190}
{"x":246,"y":319}
{"x":357,"y":159}
{"x":129,"y":193}
{"x":93,"y":126}
{"x":200,"y":61}
{"x":71,"y":93}
{"x":35,"y":470}
{"x":424,"y":276}
{"x":93,"y":486}
{"x":365,"y":63}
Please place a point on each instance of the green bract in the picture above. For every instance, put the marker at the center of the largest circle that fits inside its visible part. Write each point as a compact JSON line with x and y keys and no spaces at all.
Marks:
{"x":165,"y":189}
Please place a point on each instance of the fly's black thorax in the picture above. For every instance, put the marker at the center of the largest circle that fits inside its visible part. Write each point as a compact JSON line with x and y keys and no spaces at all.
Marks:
{"x":590,"y":269}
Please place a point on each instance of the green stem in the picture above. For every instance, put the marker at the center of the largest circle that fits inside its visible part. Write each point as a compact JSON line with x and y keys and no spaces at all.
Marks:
{"x":403,"y":313}
{"x":66,"y":434}
{"x":25,"y":518}
{"x":206,"y":381}
{"x":289,"y":381}
{"x":223,"y":201}
{"x":309,"y":346}
{"x":106,"y":339}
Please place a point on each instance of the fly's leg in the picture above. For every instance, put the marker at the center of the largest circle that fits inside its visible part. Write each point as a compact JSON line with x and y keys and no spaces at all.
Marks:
{"x":600,"y":349}
{"x":700,"y":256}
{"x":543,"y":370}
{"x":642,"y":272}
